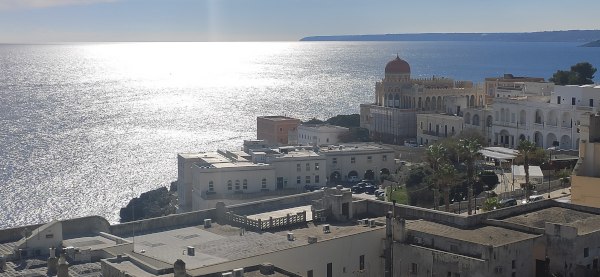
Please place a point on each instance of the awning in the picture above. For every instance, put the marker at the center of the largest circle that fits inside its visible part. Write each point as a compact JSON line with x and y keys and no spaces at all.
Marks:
{"x":534,"y":171}
{"x":496,"y":155}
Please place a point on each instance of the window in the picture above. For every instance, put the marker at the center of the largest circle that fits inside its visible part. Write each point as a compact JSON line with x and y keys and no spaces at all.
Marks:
{"x":369,"y":159}
{"x":329,"y":270}
{"x":316,"y":166}
{"x":586,"y":252}
{"x":498,"y":269}
{"x":229,"y":185}
{"x":573,"y":101}
{"x":334,"y":160}
{"x":514,"y":264}
{"x":309,"y":273}
{"x":264,"y":183}
{"x":327,"y":140}
{"x":361,"y":262}
{"x":49,"y":236}
{"x":414,"y":268}
{"x":558,"y":99}
{"x":384,"y":158}
{"x":298,"y":167}
{"x":307,"y":166}
{"x":316,"y":179}
{"x":591,"y":102}
{"x":237,"y":184}
{"x":245,"y":184}
{"x":308,"y":179}
{"x":352,"y":160}
{"x":514,"y":274}
{"x":211,"y":186}
{"x":298,"y":180}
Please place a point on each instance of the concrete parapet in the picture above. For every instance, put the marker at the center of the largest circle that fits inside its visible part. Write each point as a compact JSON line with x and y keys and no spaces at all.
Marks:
{"x":169,"y":221}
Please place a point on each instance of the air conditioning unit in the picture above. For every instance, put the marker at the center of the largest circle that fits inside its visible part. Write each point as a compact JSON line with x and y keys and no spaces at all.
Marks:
{"x":207,"y":223}
{"x":365,"y":222}
{"x":372,"y":223}
{"x":290,"y":236}
{"x":227,"y":274}
{"x":312,"y":239}
{"x":239,"y":272}
{"x":326,"y":229}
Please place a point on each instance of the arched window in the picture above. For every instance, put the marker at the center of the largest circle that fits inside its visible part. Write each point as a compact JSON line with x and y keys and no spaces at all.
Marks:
{"x":245,"y":184}
{"x":229,"y":185}
{"x":237,"y":184}
{"x":211,"y":186}
{"x":264,"y":183}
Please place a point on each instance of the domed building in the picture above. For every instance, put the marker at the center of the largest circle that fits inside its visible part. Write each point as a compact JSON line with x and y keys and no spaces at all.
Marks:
{"x":399,"y":97}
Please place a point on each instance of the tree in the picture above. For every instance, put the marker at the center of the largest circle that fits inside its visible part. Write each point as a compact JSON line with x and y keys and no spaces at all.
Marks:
{"x":435,"y":155}
{"x":526,"y":148}
{"x":584,"y":72}
{"x":469,"y":153}
{"x":446,"y":177}
{"x":580,"y":74}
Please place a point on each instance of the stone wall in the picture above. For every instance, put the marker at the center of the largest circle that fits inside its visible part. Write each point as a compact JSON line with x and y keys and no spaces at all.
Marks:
{"x":169,"y":221}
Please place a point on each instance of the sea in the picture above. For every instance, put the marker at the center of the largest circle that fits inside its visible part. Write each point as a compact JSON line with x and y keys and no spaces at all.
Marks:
{"x":86,"y":127}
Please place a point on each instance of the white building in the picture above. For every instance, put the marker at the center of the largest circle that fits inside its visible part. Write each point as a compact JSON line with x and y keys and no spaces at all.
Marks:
{"x":323,"y":134}
{"x":297,"y":169}
{"x":363,"y":161}
{"x":221,"y":172}
{"x":546,"y":120}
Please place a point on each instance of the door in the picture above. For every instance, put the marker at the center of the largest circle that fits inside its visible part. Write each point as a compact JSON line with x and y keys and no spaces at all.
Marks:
{"x":279,"y":182}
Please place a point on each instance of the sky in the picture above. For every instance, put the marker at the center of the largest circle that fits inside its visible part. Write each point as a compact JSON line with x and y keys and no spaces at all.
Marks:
{"x":35,"y":21}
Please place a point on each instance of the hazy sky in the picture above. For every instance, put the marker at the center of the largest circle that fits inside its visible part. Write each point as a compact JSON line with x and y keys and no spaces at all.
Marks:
{"x":268,"y":20}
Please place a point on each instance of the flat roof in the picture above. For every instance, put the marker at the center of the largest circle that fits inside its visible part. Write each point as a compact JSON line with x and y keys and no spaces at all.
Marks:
{"x":486,"y":235}
{"x":278,"y":118}
{"x":538,"y":219}
{"x":221,"y":243}
{"x":354,"y":147}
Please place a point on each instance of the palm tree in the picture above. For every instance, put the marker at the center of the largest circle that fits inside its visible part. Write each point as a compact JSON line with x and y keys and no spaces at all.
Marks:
{"x":435,"y":155}
{"x":526,"y":149}
{"x":446,"y":177}
{"x":469,"y":152}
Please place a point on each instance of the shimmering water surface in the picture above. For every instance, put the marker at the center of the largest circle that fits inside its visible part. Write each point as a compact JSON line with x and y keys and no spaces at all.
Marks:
{"x":85,"y":127}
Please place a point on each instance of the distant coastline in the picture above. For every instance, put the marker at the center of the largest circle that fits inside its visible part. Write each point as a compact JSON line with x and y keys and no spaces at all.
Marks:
{"x":547,"y":36}
{"x":592,"y":44}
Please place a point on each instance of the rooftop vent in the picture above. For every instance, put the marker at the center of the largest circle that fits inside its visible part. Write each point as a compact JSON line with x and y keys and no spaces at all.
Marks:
{"x":312,"y":239}
{"x":326,"y":229}
{"x":227,"y":274}
{"x":290,"y":236}
{"x":372,"y":223}
{"x":365,"y":222}
{"x":191,"y":251}
{"x":207,"y":223}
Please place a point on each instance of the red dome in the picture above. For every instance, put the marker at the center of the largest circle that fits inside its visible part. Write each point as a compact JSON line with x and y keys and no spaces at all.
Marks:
{"x":397,"y":66}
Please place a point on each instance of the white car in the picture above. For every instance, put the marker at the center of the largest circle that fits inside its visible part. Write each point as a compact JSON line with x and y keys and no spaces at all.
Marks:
{"x":534,"y":198}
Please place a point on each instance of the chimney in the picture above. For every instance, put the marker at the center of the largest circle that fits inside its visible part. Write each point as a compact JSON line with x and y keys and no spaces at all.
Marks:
{"x":179,"y":268}
{"x":63,"y":266}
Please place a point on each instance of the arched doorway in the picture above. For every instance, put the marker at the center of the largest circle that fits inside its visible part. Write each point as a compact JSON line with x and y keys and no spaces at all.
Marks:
{"x":335,"y":177}
{"x":369,"y":175}
{"x":352,"y":174}
{"x":538,"y":139}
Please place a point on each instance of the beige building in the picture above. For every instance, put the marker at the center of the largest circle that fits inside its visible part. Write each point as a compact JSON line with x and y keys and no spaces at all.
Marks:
{"x":398,"y":98}
{"x":275,"y":129}
{"x":585,"y":180}
{"x":511,"y":86}
{"x":434,"y":127}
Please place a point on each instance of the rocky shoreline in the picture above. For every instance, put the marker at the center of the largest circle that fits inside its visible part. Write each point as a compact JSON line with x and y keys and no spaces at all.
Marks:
{"x":154,"y":203}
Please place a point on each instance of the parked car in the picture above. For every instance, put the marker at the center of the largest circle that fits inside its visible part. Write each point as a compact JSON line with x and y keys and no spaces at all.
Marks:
{"x":357,"y":189}
{"x":534,"y":198}
{"x":379,"y":192}
{"x":312,"y":188}
{"x":507,"y":202}
{"x":370,"y":189}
